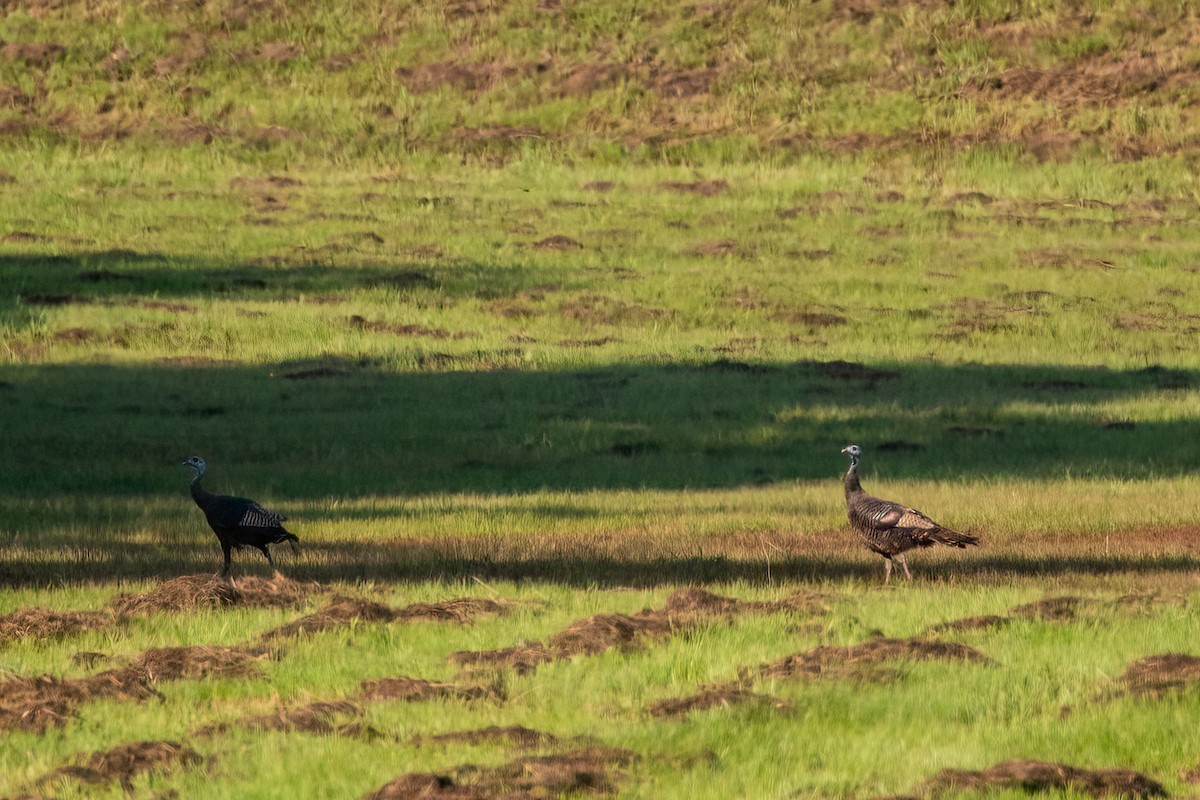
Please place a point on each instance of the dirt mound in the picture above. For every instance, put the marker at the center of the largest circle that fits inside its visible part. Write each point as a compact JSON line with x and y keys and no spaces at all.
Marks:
{"x":197,"y":661}
{"x":521,"y":659}
{"x":416,"y":689}
{"x":1159,"y":675}
{"x":724,"y":695}
{"x":589,"y":771}
{"x":685,"y":608}
{"x":462,"y":609}
{"x":1044,"y":776}
{"x":603,"y":632}
{"x":343,"y":611}
{"x":979,"y":623}
{"x":557,"y":242}
{"x":44,"y":624}
{"x":702,"y":188}
{"x":511,"y":735}
{"x":125,"y":762}
{"x":36,"y":704}
{"x":857,"y":661}
{"x":361,"y":323}
{"x":1051,"y":609}
{"x":340,"y":612}
{"x":189,"y":592}
{"x":321,"y":718}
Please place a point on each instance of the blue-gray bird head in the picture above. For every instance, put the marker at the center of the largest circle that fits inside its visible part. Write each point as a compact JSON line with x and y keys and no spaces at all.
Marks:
{"x":854,"y":451}
{"x":196,"y":463}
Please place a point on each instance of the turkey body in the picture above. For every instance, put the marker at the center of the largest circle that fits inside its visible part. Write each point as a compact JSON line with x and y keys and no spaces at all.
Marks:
{"x":891,"y":529}
{"x":239,"y":522}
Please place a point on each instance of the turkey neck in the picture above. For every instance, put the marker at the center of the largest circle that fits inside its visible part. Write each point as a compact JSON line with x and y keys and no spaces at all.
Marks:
{"x":853,"y":487}
{"x":198,"y":494}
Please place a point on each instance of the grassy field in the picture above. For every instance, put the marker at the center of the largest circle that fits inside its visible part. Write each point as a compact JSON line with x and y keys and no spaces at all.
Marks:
{"x":539,"y":318}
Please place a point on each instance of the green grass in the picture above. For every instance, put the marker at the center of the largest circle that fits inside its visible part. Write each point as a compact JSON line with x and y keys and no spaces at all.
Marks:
{"x":573,"y":304}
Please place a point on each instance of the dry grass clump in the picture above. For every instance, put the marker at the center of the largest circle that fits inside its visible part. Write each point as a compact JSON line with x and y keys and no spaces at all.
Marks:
{"x":418,"y":689}
{"x":862,"y":660}
{"x":1038,"y":777}
{"x":593,"y":635}
{"x":45,"y":624}
{"x":590,"y":771}
{"x":1159,"y":675}
{"x":511,"y":735}
{"x":189,"y":592}
{"x":125,"y":762}
{"x":320,"y":718}
{"x":347,"y":610}
{"x":719,"y":695}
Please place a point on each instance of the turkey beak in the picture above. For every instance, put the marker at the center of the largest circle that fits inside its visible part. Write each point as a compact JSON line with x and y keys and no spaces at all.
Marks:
{"x":844,"y":449}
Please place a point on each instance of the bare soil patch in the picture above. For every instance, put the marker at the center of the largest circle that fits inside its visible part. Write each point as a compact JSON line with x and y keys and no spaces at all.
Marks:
{"x":34,"y":54}
{"x":599,"y":186}
{"x":322,"y":718}
{"x":1159,"y":675}
{"x":606,"y":310}
{"x":983,"y":622}
{"x":557,"y":242}
{"x":722,"y":695}
{"x":1051,"y":609}
{"x":45,"y":624}
{"x":510,"y":735}
{"x":418,"y":689}
{"x":363,"y":324}
{"x":590,"y":771}
{"x":703,"y":188}
{"x":125,"y":762}
{"x":813,"y":320}
{"x":593,"y":635}
{"x":859,"y":661}
{"x":584,"y":79}
{"x":345,"y":610}
{"x":190,"y":592}
{"x":716,"y":248}
{"x":459,"y":75}
{"x":1044,"y":777}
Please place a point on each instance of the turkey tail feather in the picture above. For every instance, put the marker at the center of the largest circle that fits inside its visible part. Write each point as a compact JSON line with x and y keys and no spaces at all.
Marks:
{"x":953,"y":538}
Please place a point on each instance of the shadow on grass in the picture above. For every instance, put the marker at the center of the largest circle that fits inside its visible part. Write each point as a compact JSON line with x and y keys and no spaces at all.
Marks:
{"x":388,"y":562}
{"x":335,"y":429}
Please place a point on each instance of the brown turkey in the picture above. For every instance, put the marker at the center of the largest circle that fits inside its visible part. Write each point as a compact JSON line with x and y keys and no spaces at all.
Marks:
{"x":891,"y":529}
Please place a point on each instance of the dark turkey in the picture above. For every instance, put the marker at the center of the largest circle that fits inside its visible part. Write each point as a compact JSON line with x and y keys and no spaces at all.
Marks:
{"x":238,"y":522}
{"x":891,"y":529}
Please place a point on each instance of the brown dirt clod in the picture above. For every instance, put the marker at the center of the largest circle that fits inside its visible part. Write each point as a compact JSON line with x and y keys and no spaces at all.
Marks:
{"x":346,"y":610}
{"x":197,"y":661}
{"x":593,"y":635}
{"x":722,"y":695}
{"x":512,"y":735}
{"x":320,"y":718}
{"x":417,"y":689}
{"x":1158,"y":675}
{"x":1044,"y":776}
{"x":703,"y":188}
{"x":558,"y":242}
{"x":859,"y":661}
{"x":1051,"y":609}
{"x":588,"y":771}
{"x":125,"y":762}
